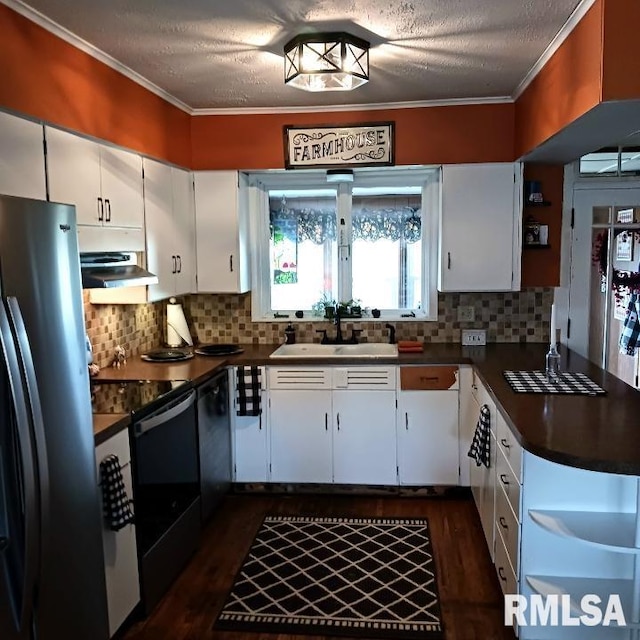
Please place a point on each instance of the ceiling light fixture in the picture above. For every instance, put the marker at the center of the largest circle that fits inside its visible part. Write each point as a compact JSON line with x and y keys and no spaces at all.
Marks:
{"x":326,"y":62}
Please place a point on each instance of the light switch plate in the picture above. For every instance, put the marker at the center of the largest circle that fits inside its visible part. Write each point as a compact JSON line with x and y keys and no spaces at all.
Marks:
{"x":474,"y":337}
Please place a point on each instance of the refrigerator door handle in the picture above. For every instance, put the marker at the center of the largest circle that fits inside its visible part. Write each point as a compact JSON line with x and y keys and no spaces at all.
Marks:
{"x":20,"y":588}
{"x":38,"y":452}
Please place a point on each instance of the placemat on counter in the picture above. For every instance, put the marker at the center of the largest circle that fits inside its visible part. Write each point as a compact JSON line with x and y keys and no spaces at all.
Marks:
{"x":569,"y":383}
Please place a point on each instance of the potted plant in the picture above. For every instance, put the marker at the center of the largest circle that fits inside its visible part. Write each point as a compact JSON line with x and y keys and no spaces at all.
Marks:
{"x":326,"y":306}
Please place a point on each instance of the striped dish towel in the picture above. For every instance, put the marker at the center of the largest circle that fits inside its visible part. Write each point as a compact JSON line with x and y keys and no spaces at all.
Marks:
{"x":248,"y":391}
{"x":116,"y":504}
{"x":480,"y":449}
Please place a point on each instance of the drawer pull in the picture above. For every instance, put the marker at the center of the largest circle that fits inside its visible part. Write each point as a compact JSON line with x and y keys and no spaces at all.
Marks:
{"x":406,"y":421}
{"x":505,"y":443}
{"x":504,"y":479}
{"x":427,"y":378}
{"x":326,"y":422}
{"x":503,"y":523}
{"x":501,"y":574}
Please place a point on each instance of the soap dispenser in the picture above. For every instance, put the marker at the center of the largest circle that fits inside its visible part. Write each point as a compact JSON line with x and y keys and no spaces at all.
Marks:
{"x":289,"y":334}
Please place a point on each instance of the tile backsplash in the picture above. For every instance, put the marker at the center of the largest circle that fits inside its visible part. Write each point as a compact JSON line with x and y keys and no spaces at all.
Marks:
{"x":508,"y":317}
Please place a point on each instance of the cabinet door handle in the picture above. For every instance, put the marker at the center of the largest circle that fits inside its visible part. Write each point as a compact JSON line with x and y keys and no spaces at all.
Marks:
{"x":231,"y":263}
{"x":406,"y":421}
{"x":503,"y":523}
{"x":501,"y":574}
{"x":260,"y":422}
{"x":173,"y":258}
{"x":504,"y":479}
{"x":326,"y":421}
{"x":448,"y":259}
{"x":179,"y":264}
{"x":505,"y":443}
{"x":100,"y":210}
{"x":108,"y":203}
{"x":338,"y":420}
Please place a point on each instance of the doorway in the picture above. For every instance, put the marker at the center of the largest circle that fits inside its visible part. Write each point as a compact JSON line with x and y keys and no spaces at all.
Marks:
{"x":605,"y":249}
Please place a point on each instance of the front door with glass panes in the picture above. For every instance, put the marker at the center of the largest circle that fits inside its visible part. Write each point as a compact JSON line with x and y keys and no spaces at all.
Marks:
{"x":605,"y":277}
{"x":355,"y":248}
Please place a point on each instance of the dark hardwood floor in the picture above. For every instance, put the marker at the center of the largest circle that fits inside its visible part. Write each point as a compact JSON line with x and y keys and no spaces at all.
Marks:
{"x":470,"y":595}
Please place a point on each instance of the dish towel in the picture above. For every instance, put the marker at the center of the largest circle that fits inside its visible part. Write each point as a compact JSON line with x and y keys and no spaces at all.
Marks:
{"x":115,"y":502}
{"x":248,"y":391}
{"x":630,"y":337}
{"x":480,"y":449}
{"x":410,"y":346}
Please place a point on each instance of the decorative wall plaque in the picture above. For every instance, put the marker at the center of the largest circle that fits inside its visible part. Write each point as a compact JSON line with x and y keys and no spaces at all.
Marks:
{"x":331,"y":146}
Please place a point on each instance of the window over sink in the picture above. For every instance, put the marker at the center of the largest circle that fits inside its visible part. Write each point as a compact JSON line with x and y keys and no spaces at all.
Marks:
{"x":369,"y":239}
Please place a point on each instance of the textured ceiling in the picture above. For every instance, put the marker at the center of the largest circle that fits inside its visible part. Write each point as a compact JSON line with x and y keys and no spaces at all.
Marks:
{"x":228,"y":53}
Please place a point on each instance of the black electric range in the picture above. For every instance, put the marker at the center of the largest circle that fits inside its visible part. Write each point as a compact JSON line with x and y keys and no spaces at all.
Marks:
{"x":137,"y":397}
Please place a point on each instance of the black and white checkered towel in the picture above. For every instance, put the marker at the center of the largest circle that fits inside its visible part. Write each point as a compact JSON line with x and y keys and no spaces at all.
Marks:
{"x":248,"y":390}
{"x":480,"y":449}
{"x":630,"y":337}
{"x":116,"y":505}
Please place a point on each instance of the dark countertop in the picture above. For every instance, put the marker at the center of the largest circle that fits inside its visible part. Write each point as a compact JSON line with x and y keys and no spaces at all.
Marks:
{"x":599,"y":433}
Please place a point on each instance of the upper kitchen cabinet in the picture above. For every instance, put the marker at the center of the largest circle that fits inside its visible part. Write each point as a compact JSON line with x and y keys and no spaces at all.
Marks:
{"x":22,"y":158}
{"x":222,"y":231}
{"x":104,"y":183}
{"x":480,"y":227}
{"x":170,"y":229}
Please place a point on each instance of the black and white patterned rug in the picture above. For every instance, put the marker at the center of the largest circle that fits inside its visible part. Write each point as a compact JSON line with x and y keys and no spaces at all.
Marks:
{"x":372,"y":577}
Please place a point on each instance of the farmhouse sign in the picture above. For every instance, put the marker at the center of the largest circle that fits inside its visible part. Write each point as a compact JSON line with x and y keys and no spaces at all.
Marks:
{"x":333,"y":146}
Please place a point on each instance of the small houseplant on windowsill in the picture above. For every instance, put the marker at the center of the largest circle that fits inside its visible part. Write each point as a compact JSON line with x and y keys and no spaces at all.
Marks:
{"x":350,"y":309}
{"x":325,"y":307}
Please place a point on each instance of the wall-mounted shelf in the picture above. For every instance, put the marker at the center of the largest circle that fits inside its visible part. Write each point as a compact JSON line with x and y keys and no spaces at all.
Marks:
{"x":544,"y":203}
{"x":536,"y":246}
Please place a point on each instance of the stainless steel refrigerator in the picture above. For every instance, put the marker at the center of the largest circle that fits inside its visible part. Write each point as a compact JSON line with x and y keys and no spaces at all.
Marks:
{"x":52,"y":582}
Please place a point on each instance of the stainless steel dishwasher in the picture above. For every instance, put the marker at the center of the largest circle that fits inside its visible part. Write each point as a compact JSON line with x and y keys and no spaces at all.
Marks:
{"x":214,"y":436}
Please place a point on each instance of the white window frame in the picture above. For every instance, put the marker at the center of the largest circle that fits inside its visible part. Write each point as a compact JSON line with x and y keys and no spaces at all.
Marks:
{"x":426,"y":177}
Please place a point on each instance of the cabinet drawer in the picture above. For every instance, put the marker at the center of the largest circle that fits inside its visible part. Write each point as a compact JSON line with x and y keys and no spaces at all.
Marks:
{"x":299,"y":378}
{"x":117,"y":445}
{"x":508,"y":527}
{"x":506,"y":479}
{"x":509,"y":446}
{"x":427,"y":378}
{"x":506,"y":576}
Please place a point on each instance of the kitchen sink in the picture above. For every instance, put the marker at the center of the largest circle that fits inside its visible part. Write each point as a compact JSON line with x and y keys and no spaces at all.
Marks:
{"x":314,"y":350}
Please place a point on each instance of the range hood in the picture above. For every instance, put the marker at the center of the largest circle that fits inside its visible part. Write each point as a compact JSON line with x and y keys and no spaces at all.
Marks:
{"x":113,"y":269}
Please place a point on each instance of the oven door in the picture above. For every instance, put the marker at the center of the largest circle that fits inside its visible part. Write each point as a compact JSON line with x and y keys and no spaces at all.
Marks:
{"x":166,"y":493}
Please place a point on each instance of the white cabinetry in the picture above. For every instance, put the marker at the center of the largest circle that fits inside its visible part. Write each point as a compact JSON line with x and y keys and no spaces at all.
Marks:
{"x":482,"y":478}
{"x":222,"y":229}
{"x":364,"y":436}
{"x":170,"y":230}
{"x":120,"y":550}
{"x":300,"y":424}
{"x":428,"y":426}
{"x":105,"y":185}
{"x":250,"y":438}
{"x":22,"y":158}
{"x":480,"y":222}
{"x":579,"y":536}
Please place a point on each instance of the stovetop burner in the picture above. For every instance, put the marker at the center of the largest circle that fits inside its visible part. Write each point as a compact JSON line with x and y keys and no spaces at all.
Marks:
{"x":218,"y":349}
{"x":166,"y":355}
{"x":134,"y":397}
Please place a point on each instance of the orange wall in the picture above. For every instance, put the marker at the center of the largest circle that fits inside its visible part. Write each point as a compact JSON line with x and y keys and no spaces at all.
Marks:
{"x":455,"y":134}
{"x":568,"y":86}
{"x":48,"y":79}
{"x":621,"y":59}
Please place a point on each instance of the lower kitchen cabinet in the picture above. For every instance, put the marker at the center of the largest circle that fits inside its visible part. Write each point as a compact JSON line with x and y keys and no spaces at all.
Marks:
{"x":428,"y":426}
{"x":249,"y":438}
{"x":301,"y":435}
{"x":364,"y":438}
{"x":120,"y":550}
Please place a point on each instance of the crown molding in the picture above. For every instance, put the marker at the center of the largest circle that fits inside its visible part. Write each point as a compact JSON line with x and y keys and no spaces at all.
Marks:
{"x":578,"y":13}
{"x":94,"y":52}
{"x":421,"y":104}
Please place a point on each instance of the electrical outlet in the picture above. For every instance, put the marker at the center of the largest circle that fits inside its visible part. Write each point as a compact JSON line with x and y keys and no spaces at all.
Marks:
{"x":466,"y":314}
{"x":475,"y":337}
